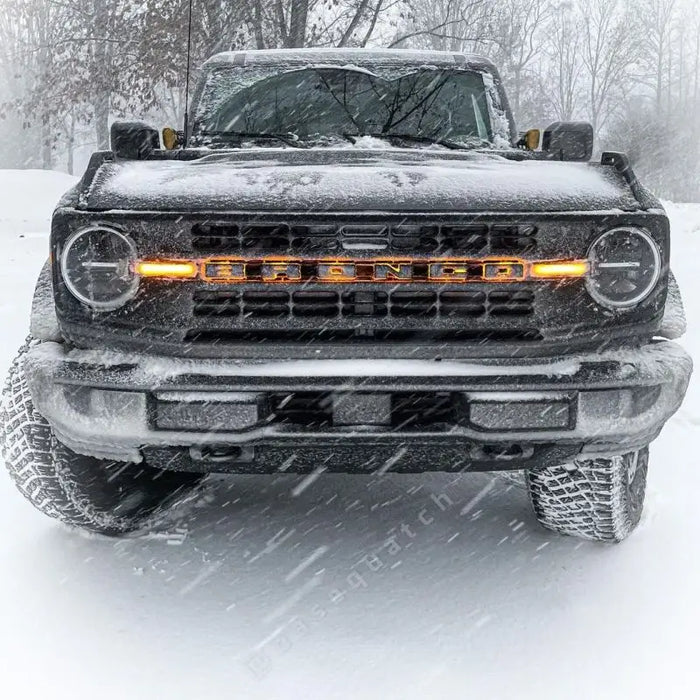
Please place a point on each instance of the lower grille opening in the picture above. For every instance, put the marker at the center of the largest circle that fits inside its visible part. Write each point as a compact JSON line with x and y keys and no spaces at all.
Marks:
{"x":359,"y":336}
{"x":307,"y":410}
{"x":410,"y":411}
{"x":423,"y":411}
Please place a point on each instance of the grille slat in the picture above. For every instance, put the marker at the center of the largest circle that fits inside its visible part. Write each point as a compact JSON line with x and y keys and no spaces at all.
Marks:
{"x":315,"y":304}
{"x":404,"y":304}
{"x":463,"y":304}
{"x":217,"y":304}
{"x":266,"y":304}
{"x":368,"y":304}
{"x":513,"y":239}
{"x":511,"y":304}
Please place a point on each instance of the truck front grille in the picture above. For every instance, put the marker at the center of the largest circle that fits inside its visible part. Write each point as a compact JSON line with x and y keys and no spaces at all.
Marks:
{"x":310,"y":311}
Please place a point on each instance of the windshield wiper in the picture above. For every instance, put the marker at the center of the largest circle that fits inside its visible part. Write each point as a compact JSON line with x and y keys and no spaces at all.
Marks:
{"x":240,"y":136}
{"x":447,"y":143}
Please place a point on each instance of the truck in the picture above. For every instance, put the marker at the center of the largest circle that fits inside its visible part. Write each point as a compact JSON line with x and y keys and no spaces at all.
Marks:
{"x":349,"y":260}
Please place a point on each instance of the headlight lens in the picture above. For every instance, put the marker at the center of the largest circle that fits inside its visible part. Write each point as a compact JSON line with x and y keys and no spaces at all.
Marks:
{"x":625,"y":266}
{"x":97,"y":265}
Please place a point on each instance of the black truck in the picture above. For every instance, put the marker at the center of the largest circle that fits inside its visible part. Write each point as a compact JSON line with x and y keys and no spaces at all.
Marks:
{"x":349,"y":260}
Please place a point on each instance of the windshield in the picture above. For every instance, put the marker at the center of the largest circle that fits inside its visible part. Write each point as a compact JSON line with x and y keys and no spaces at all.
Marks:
{"x":318,"y":103}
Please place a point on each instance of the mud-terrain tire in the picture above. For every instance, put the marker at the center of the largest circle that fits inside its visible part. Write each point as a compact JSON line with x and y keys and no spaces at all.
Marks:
{"x":593,"y":499}
{"x":107,"y":497}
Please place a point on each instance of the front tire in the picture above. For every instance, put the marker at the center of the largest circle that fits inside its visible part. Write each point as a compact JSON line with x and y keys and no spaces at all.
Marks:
{"x":593,"y":499}
{"x":103,"y":496}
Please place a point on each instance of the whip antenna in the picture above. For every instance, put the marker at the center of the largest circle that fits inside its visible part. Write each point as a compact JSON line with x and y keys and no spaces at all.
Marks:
{"x":189,"y":67}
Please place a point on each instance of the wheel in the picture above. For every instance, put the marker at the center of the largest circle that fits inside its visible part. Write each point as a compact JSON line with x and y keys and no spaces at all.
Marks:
{"x":108,"y":497}
{"x":594,"y":499}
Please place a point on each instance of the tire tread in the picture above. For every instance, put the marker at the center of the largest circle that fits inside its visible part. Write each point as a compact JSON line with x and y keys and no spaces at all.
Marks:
{"x":40,"y":465}
{"x":588,"y":499}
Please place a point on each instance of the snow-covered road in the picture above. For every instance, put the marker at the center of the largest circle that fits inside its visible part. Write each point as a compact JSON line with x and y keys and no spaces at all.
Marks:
{"x":258,"y":593}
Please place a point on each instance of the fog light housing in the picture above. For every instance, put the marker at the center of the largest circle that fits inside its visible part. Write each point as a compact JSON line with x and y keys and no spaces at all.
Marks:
{"x":625,"y":267}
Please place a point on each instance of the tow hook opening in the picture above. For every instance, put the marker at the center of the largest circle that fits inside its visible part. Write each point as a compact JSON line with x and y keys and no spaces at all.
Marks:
{"x":221,"y":454}
{"x":502,"y":452}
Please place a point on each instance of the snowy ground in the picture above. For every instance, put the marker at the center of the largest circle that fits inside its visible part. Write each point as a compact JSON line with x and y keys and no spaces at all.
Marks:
{"x":260,"y":594}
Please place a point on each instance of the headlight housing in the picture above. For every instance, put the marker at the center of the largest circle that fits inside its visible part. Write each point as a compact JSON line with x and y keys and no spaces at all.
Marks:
{"x":97,"y":266}
{"x":625,"y":267}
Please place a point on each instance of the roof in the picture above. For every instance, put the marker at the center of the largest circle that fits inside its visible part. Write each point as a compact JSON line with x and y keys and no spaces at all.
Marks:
{"x":341,"y":57}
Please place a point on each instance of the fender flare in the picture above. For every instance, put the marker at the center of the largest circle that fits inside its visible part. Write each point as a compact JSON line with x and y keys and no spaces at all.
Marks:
{"x":44,"y":321}
{"x":674,"y":324}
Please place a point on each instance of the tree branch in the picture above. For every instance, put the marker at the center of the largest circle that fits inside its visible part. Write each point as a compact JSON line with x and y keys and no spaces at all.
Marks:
{"x":354,"y":23}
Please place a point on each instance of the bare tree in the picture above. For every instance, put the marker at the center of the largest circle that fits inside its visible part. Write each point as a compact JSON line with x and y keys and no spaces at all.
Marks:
{"x":563,"y":45}
{"x":299,"y":23}
{"x":517,"y":33}
{"x":658,"y":16}
{"x":447,"y":25}
{"x":610,"y":47}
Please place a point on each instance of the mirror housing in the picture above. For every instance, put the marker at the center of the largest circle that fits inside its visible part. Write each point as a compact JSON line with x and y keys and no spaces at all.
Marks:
{"x":133,"y":140}
{"x":172,"y":138}
{"x":531,"y":139}
{"x":570,"y":141}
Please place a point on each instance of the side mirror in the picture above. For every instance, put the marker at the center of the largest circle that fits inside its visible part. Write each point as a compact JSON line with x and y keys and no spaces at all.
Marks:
{"x":572,"y":141}
{"x":134,"y":140}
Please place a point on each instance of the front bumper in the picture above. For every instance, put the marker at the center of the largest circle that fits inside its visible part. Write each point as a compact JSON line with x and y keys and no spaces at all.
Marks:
{"x":224,"y":415}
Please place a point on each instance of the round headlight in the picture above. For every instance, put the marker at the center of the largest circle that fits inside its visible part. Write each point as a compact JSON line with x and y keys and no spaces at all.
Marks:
{"x":625,"y":267}
{"x":97,"y":265}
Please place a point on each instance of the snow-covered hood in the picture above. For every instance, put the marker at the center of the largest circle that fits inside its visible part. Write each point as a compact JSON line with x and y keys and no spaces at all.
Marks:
{"x":322,"y":180}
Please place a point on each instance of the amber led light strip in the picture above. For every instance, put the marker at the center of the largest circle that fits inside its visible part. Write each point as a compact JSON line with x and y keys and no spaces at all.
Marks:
{"x":173,"y":269}
{"x":285,"y":270}
{"x":559,"y":270}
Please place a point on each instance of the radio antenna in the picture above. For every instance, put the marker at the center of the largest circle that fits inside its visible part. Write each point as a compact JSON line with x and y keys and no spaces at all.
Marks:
{"x":189,"y":68}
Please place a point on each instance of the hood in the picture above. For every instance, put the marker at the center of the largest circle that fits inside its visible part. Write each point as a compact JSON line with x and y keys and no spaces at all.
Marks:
{"x":323,"y":180}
